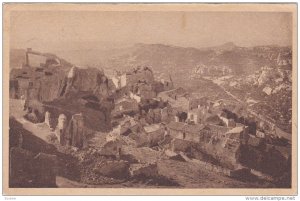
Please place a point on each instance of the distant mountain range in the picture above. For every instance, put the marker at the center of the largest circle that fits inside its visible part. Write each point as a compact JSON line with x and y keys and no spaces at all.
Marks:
{"x":167,"y":59}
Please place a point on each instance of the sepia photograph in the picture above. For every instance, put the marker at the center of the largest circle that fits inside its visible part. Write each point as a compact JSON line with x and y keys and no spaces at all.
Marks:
{"x":149,"y":99}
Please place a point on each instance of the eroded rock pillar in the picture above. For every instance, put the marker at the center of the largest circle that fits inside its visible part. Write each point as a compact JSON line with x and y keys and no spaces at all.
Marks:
{"x":61,"y":129}
{"x":76,"y":131}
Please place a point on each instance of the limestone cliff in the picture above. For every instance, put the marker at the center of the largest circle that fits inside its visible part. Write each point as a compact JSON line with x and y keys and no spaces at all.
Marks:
{"x":90,"y":79}
{"x":65,"y":90}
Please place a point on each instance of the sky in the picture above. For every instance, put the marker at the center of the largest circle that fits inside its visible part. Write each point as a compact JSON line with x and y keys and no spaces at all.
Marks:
{"x":54,"y":29}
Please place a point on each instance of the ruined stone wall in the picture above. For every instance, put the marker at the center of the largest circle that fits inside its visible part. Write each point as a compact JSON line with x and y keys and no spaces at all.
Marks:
{"x":95,"y":119}
{"x":222,"y":150}
{"x":29,"y":154}
{"x":41,"y":84}
{"x":139,"y":75}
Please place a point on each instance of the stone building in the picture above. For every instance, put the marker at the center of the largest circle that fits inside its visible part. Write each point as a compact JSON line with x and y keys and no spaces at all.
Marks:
{"x":176,"y":129}
{"x":227,"y":119}
{"x":228,"y":122}
{"x":238,"y":134}
{"x":186,"y":132}
{"x":193,"y":116}
{"x":125,"y":106}
{"x":195,"y":103}
{"x":155,"y":133}
{"x":139,"y":74}
{"x":193,"y":133}
{"x":198,"y":115}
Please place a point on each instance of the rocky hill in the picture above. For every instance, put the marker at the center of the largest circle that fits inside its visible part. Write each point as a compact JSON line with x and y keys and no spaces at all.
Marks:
{"x":267,"y":91}
{"x":162,"y":58}
{"x":179,"y":62}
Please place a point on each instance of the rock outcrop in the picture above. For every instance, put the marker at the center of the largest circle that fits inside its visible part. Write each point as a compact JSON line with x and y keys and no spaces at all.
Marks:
{"x":112,"y":148}
{"x":61,"y":128}
{"x":114,"y":169}
{"x":58,"y":81}
{"x":47,"y":118}
{"x":144,"y":170}
{"x":61,"y":89}
{"x":89,"y":80}
{"x":75,"y":133}
{"x":24,"y":162}
{"x":29,"y":154}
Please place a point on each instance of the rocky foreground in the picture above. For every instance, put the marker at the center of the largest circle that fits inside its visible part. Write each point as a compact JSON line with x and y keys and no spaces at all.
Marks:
{"x":75,"y":168}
